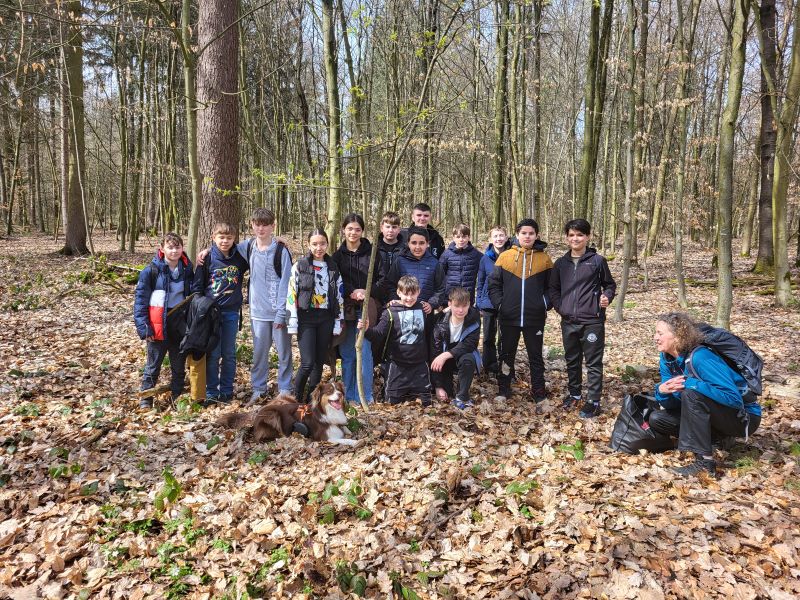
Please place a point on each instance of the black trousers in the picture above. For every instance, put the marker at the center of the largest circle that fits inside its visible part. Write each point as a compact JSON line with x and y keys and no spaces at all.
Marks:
{"x":509,"y":342}
{"x":464,"y":368}
{"x":666,"y":422}
{"x":490,"y":342}
{"x":702,"y":419}
{"x":584,"y":343}
{"x":314,"y":335}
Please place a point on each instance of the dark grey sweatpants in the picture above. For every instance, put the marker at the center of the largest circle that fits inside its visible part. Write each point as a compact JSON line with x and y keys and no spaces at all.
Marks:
{"x":584,"y":343}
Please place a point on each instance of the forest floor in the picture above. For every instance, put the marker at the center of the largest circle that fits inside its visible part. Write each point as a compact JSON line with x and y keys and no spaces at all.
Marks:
{"x":494,"y":502}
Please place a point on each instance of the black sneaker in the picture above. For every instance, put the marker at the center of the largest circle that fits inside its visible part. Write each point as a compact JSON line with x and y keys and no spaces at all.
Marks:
{"x":570,"y":402}
{"x":590,"y":410}
{"x":146,"y":403}
{"x":700,"y":465}
{"x":504,"y":390}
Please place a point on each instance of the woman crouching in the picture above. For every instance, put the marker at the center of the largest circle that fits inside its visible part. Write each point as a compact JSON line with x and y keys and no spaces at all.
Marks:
{"x":703,"y":398}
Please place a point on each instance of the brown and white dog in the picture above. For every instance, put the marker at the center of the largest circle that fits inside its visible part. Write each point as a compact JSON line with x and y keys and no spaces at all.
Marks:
{"x":324,"y":418}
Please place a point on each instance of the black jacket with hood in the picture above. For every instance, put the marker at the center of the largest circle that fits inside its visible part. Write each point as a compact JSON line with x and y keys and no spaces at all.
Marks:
{"x":435,"y":241}
{"x":467,"y":344}
{"x":518,"y":285}
{"x":354,"y":268}
{"x":575,"y":289}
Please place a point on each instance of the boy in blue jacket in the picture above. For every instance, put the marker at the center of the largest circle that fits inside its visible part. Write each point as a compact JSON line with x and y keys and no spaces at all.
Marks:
{"x":220,"y":277}
{"x":499,"y":244}
{"x":162,"y":285}
{"x":461,"y":261}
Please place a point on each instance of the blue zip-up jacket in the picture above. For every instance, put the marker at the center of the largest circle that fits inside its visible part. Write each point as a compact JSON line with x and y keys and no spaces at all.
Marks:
{"x":145,"y":289}
{"x":461,"y":267}
{"x":716,"y":380}
{"x":220,"y":277}
{"x":428,"y":272}
{"x":485,"y":269}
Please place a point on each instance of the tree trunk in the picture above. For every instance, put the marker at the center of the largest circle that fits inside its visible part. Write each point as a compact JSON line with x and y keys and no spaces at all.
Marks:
{"x":218,"y":119}
{"x":765,"y":259}
{"x":726,"y":159}
{"x":192,"y":151}
{"x":589,"y":91}
{"x":752,"y":203}
{"x":76,"y":233}
{"x":334,"y":122}
{"x":629,"y":232}
{"x":500,"y":89}
{"x":538,"y":167}
{"x":780,"y":187}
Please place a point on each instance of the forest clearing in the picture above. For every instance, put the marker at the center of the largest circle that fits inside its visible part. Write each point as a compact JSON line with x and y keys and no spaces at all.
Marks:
{"x":98,"y":499}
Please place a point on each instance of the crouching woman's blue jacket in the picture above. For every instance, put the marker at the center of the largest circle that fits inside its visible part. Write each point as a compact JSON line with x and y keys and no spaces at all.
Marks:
{"x":715,"y":380}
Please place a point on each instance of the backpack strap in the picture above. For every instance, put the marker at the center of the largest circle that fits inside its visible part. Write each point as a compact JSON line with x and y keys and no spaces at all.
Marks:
{"x":388,"y":335}
{"x":277,"y":262}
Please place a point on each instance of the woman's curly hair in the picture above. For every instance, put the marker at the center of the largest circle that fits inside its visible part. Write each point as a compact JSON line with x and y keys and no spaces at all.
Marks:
{"x":685,"y":329}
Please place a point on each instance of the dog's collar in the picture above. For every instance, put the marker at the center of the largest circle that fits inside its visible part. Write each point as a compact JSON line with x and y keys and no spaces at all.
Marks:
{"x":302,"y":411}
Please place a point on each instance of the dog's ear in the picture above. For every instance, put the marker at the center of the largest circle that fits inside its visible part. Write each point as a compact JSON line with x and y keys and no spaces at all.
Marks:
{"x":340,"y":386}
{"x":316,"y":395}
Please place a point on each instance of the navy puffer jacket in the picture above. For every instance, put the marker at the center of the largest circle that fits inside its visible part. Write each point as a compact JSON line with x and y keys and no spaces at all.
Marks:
{"x":428,"y":272}
{"x":145,"y":289}
{"x":461,"y":267}
{"x":484,"y":270}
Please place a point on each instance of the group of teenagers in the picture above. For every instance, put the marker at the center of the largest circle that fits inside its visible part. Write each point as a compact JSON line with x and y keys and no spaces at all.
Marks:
{"x":429,"y":305}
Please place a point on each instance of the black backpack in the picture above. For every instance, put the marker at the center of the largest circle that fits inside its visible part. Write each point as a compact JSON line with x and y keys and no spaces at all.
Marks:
{"x":277,"y":262}
{"x":735,"y":352}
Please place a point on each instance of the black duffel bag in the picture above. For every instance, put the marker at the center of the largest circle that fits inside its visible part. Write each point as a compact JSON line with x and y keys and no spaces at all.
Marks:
{"x":632,"y":432}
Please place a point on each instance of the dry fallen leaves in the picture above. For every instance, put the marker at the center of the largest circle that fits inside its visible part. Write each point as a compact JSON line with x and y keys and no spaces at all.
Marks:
{"x":482,"y":504}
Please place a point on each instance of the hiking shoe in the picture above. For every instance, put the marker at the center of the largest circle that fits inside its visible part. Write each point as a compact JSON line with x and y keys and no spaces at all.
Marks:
{"x":146,"y":403}
{"x":570,"y":402}
{"x":504,"y":390}
{"x":700,"y":465}
{"x":427,"y":402}
{"x":589,"y":410}
{"x":256,"y":396}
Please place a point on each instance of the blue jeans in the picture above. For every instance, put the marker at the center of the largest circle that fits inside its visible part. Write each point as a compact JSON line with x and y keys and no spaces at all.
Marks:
{"x":219,"y":377}
{"x":348,"y":351}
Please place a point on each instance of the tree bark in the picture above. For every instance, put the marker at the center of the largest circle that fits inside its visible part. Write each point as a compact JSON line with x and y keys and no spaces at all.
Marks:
{"x":75,"y":214}
{"x":218,"y":119}
{"x":589,"y":91}
{"x":726,"y":158}
{"x":780,"y":186}
{"x":334,"y":122}
{"x":765,"y":259}
{"x":500,"y":93}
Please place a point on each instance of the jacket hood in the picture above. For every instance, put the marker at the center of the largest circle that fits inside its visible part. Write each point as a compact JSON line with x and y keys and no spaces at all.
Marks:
{"x":383,"y":245}
{"x":538,"y":246}
{"x":586,"y":255}
{"x":365,"y":247}
{"x":468,"y":248}
{"x":159,"y":259}
{"x":406,"y":252}
{"x":473,"y":316}
{"x":492,"y":253}
{"x":217,"y":253}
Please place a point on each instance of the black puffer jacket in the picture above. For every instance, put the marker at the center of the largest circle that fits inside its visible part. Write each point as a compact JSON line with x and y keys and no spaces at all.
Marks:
{"x":202,"y":327}
{"x":388,"y":254}
{"x":354,"y":268}
{"x":467,"y":344}
{"x":575,"y":289}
